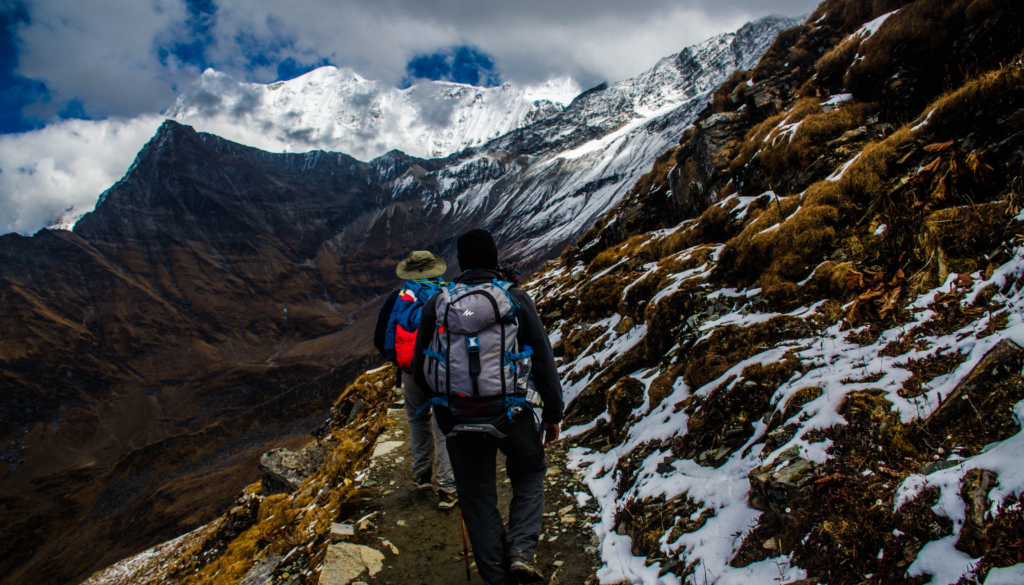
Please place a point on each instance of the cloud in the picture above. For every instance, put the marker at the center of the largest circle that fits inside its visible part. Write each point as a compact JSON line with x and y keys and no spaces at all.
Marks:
{"x":127,"y":61}
{"x":129,"y":58}
{"x":437,"y":113}
{"x":100,"y":53}
{"x":65,"y":166}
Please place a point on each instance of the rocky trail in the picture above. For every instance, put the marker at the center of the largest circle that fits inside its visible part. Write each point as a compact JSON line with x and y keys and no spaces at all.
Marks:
{"x":423,"y":546}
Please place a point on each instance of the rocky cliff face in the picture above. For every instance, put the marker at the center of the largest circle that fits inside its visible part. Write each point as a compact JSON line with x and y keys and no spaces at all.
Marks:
{"x":792,"y":352}
{"x":144,"y":347}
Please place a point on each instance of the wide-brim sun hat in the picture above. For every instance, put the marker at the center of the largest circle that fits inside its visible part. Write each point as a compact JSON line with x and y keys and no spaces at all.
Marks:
{"x":421,"y":264}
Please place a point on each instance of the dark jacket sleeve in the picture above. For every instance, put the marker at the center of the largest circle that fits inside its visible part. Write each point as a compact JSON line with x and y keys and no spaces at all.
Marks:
{"x":545,"y":374}
{"x":428,"y":322}
{"x":381,"y":331}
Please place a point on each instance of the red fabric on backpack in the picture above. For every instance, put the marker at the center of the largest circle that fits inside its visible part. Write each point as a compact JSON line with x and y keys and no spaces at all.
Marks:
{"x":405,"y":347}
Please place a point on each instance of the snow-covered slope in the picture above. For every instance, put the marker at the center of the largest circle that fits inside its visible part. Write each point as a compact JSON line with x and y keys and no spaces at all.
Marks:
{"x":337,"y":110}
{"x":539,"y":187}
{"x":777,"y":385}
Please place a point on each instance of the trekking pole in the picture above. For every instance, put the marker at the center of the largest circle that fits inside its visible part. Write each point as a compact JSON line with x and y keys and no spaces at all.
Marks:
{"x":465,"y":546}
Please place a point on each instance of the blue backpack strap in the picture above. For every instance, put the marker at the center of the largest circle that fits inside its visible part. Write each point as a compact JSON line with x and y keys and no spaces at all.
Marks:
{"x":512,"y":358}
{"x":438,"y":400}
{"x":518,"y":356}
{"x":504,"y":287}
{"x":433,"y":354}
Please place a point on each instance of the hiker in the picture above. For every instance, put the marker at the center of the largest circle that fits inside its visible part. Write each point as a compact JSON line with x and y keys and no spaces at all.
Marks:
{"x":395,"y":338}
{"x":484,"y":404}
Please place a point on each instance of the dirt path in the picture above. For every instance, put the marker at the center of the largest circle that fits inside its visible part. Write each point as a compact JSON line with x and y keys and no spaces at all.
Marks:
{"x":422,"y":546}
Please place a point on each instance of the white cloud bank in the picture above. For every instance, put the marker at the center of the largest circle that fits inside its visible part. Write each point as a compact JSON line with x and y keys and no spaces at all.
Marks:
{"x":65,"y":166}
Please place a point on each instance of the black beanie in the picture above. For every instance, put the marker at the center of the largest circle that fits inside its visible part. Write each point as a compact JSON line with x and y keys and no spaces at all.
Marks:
{"x":477,"y":250}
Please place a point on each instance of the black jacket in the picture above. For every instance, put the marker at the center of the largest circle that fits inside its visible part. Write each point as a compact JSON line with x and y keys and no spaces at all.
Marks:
{"x":531,"y":332}
{"x":381,"y":332}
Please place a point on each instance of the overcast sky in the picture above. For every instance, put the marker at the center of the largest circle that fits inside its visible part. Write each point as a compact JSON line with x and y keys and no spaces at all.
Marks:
{"x":66,"y":60}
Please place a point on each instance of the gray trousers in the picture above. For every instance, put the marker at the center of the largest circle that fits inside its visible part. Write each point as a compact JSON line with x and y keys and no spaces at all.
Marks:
{"x":424,"y":432}
{"x":473,"y":457}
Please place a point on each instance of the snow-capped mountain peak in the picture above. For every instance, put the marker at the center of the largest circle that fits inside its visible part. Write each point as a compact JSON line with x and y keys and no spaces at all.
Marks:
{"x":336,"y":109}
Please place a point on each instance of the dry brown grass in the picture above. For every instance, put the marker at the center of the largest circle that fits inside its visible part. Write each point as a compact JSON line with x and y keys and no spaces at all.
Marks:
{"x":631,"y":248}
{"x":833,"y":65}
{"x":601,"y":298}
{"x":768,"y":135}
{"x":1017,"y":120}
{"x":711,"y":227}
{"x":779,"y":257}
{"x":657,"y":178}
{"x":847,"y":15}
{"x":787,"y":46}
{"x":808,"y":143}
{"x":753,"y":140}
{"x":928,"y":28}
{"x":999,"y":86}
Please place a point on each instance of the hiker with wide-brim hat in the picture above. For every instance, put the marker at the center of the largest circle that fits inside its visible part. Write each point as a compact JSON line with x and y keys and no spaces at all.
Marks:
{"x":395,"y":338}
{"x":421,"y":264}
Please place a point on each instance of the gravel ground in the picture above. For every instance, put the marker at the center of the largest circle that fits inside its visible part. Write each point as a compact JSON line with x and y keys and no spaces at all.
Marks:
{"x":423,"y":546}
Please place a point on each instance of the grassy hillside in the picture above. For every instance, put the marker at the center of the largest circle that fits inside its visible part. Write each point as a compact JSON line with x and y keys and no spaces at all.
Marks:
{"x":794,"y":350}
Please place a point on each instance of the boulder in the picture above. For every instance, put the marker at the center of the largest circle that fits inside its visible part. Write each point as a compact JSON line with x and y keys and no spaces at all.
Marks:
{"x":1003,"y":359}
{"x":974,"y":491}
{"x":347,"y":561}
{"x":263,"y":572}
{"x":772,"y":491}
{"x":284,"y":470}
{"x":341,"y":532}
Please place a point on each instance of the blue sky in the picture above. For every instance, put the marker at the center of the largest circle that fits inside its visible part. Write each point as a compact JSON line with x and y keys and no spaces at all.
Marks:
{"x":18,"y":91}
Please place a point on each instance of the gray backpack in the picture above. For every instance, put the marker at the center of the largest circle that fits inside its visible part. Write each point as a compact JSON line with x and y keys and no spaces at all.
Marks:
{"x":474,"y":364}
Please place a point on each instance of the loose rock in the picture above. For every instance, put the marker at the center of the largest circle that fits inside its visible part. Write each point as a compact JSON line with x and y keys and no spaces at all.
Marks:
{"x":346,"y":561}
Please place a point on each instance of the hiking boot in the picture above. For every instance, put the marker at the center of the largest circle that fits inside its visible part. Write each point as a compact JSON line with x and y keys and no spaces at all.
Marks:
{"x":422,"y":482}
{"x":446,"y":500}
{"x":524,"y":571}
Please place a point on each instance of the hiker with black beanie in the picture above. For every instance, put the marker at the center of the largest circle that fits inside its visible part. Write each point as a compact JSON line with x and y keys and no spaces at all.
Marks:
{"x":501,"y":557}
